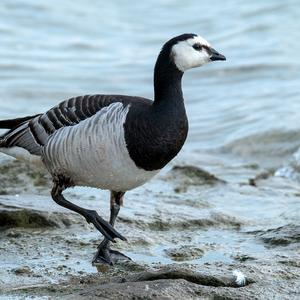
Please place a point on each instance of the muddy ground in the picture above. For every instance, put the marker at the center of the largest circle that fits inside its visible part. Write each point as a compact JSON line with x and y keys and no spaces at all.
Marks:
{"x":188,"y":230}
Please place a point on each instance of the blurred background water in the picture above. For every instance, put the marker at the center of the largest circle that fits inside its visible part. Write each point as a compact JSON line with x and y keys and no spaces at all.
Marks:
{"x":244,"y":113}
{"x":52,"y":50}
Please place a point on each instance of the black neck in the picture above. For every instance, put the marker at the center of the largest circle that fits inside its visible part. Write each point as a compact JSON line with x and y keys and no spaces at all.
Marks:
{"x":167,"y":81}
{"x":156,"y":135}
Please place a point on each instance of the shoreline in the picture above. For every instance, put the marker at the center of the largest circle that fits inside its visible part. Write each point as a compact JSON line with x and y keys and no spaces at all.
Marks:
{"x":186,"y":222}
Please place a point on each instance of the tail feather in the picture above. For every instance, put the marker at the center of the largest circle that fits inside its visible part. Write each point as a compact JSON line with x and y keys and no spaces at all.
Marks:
{"x":13,"y":123}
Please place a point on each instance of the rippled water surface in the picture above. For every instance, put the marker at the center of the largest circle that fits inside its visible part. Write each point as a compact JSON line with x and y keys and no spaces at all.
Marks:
{"x":52,"y":50}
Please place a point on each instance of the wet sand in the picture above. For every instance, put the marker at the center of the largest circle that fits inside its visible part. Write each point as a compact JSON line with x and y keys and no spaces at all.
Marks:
{"x":188,"y":230}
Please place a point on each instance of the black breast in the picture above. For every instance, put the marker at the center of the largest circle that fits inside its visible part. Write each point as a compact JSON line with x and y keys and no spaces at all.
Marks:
{"x":154,"y":135}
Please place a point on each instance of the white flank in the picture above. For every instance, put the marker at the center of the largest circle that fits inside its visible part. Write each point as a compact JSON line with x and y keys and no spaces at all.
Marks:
{"x":93,"y":153}
{"x":240,"y":278}
{"x":186,"y":57}
{"x":24,"y":155}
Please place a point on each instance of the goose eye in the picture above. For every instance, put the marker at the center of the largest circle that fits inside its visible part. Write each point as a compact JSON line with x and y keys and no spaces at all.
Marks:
{"x":197,"y":47}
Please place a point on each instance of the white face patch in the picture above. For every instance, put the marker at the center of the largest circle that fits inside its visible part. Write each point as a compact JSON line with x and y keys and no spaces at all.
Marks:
{"x":186,"y":57}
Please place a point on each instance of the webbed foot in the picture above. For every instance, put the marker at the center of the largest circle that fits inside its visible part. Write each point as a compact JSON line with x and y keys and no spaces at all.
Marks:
{"x":107,"y":256}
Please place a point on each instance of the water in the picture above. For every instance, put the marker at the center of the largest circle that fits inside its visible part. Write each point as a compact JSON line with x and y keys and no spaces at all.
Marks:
{"x":244,"y":113}
{"x":58,"y":49}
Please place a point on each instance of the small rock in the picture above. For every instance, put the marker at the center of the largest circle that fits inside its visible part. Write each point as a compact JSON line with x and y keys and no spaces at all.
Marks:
{"x":185,"y":176}
{"x":13,"y":234}
{"x":243,"y":257}
{"x":25,"y":270}
{"x":281,"y":236}
{"x":184,"y":253}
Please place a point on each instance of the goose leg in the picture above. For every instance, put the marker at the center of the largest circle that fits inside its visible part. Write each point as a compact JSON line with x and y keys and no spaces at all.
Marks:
{"x":91,"y":216}
{"x":104,"y":254}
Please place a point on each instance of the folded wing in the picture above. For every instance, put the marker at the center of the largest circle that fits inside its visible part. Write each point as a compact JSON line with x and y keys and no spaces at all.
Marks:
{"x":32,"y":133}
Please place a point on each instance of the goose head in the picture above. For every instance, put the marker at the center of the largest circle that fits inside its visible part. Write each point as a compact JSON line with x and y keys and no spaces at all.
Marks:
{"x":190,"y":51}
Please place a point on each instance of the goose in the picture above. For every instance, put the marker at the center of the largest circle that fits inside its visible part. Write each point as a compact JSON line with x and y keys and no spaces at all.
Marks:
{"x":111,"y":142}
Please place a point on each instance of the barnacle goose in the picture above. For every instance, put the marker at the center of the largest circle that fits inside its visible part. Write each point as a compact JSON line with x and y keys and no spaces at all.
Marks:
{"x":111,"y":142}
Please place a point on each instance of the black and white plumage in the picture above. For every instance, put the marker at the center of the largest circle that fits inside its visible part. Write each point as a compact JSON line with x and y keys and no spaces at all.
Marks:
{"x":112,"y":142}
